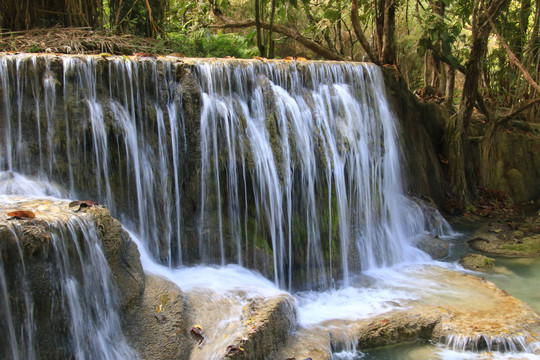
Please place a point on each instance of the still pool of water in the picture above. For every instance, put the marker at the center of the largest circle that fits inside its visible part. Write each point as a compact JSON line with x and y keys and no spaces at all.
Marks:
{"x":427,"y":351}
{"x":520,"y":277}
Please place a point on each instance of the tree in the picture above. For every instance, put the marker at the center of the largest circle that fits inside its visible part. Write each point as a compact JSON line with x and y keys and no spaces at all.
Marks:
{"x":140,"y":17}
{"x":29,"y":14}
{"x":455,"y":140}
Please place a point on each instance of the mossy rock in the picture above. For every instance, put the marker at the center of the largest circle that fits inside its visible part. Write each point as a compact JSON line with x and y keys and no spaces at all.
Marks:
{"x":476,"y":262}
{"x":510,"y":238}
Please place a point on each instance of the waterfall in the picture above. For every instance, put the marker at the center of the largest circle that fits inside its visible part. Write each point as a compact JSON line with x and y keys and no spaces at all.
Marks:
{"x":301,"y":132}
{"x":289,"y":168}
{"x":69,"y":289}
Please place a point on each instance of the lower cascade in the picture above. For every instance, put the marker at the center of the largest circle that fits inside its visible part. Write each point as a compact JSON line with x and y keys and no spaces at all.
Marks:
{"x":58,"y":295}
{"x":241,"y":182}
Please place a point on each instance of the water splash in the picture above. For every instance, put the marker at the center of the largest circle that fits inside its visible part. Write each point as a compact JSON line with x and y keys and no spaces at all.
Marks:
{"x":326,"y":129}
{"x":295,"y":168}
{"x":77,"y":295}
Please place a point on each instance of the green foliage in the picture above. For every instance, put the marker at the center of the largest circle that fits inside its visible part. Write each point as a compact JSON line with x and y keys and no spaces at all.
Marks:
{"x":35,"y":48}
{"x":440,"y":33}
{"x":202,"y":43}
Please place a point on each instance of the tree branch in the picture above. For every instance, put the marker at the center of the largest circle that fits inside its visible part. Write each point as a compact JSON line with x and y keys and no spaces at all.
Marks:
{"x":513,"y":59}
{"x":522,"y":108}
{"x":355,"y":20}
{"x":289,"y":32}
{"x":445,"y":59}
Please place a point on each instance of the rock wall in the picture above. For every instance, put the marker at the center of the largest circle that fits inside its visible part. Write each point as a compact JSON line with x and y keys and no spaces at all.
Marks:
{"x":422,"y":128}
{"x":515,"y":162}
{"x":231,"y":160}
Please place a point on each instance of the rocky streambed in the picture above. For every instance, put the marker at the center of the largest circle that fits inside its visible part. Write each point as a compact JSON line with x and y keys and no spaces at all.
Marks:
{"x":161,"y":318}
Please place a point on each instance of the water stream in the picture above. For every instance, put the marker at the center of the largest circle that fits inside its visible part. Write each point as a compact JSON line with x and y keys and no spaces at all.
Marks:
{"x":290,"y":170}
{"x":70,"y":290}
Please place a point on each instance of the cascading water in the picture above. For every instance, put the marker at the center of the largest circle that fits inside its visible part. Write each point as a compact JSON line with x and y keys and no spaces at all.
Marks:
{"x":302,"y":132}
{"x":300,"y":162}
{"x":69,"y":290}
{"x":292,"y":169}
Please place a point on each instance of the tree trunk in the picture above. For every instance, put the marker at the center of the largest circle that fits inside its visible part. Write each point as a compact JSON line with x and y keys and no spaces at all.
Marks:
{"x":532,"y":60}
{"x":379,"y":25}
{"x":455,"y":139}
{"x":439,"y":79}
{"x":270,"y":35}
{"x":389,"y":33}
{"x":260,"y":46}
{"x":524,"y":14}
{"x":443,"y":83}
{"x":450,"y":84}
{"x":355,"y":20}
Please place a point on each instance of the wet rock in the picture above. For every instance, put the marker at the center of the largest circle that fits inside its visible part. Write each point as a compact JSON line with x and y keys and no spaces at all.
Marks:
{"x":122,"y":255}
{"x":155,"y":326}
{"x":314,"y":342}
{"x":465,"y":312}
{"x":503,"y":238}
{"x":267,"y":329}
{"x":476,"y":262}
{"x":436,"y":247}
{"x":47,"y":258}
{"x":238,"y":325}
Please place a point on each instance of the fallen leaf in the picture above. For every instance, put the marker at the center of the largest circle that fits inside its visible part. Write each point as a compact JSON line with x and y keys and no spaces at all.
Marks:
{"x":141,"y":54}
{"x":21,"y":215}
{"x":197,"y":334}
{"x":234,"y":350}
{"x":79,"y":204}
{"x":442,"y":159}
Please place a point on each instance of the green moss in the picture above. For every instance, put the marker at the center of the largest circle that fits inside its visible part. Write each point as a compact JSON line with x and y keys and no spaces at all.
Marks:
{"x":528,"y":246}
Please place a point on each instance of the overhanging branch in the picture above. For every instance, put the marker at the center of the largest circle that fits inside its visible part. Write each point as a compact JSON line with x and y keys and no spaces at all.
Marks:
{"x":289,"y":32}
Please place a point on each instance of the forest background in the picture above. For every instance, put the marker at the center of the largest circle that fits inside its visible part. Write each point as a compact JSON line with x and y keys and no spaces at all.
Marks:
{"x":475,"y":57}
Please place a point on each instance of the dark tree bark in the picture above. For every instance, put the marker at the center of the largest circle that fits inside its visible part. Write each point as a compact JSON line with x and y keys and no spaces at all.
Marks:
{"x":355,"y":20}
{"x":262,"y":49}
{"x":389,"y":51}
{"x":17,"y":15}
{"x":379,"y":24}
{"x":450,"y":84}
{"x":524,"y":14}
{"x":455,"y":141}
{"x":270,"y":35}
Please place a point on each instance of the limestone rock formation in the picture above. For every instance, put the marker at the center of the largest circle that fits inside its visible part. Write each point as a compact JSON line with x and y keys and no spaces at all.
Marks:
{"x":59,"y":287}
{"x":239,"y":325}
{"x":122,"y":255}
{"x":436,"y":247}
{"x":476,"y":262}
{"x":156,"y":325}
{"x":508,"y":239}
{"x":468,"y":313}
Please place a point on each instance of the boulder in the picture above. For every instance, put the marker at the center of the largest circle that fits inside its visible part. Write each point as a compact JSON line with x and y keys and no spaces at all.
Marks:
{"x":476,"y":262}
{"x":436,"y":247}
{"x":121,"y":254}
{"x":508,"y":239}
{"x":55,"y":277}
{"x":155,"y":326}
{"x":238,"y":325}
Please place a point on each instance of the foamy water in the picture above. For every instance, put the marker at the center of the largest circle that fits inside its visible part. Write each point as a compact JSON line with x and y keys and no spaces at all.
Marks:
{"x":219,"y":279}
